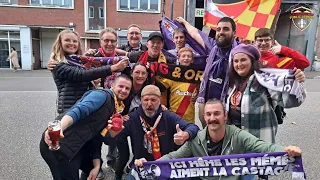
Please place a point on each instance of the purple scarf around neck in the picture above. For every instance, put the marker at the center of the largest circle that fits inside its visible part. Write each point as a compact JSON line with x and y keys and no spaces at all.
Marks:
{"x":216,"y":68}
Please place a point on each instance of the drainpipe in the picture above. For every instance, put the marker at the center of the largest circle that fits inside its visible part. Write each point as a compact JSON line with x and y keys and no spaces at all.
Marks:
{"x":171,"y":11}
{"x":311,"y":35}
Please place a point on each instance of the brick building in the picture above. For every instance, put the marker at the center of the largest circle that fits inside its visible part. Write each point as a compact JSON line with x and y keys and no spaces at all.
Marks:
{"x":31,"y":26}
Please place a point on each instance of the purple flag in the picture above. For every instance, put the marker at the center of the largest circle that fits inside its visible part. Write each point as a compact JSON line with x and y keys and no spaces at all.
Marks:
{"x":167,"y":27}
{"x":88,"y":62}
{"x":273,"y":163}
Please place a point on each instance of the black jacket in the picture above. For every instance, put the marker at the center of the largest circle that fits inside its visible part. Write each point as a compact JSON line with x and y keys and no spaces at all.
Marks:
{"x":86,"y":133}
{"x":128,"y":48}
{"x":72,"y":82}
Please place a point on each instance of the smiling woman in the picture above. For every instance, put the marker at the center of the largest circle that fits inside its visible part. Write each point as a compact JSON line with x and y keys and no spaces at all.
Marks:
{"x":73,"y":82}
{"x":250,"y":104}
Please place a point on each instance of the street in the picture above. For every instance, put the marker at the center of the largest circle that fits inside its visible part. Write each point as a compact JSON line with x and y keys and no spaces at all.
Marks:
{"x":28,"y":104}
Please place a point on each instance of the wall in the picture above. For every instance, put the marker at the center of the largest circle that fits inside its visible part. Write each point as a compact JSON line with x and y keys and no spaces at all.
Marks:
{"x":317,"y":50}
{"x":147,"y":21}
{"x":26,"y":48}
{"x":43,"y":16}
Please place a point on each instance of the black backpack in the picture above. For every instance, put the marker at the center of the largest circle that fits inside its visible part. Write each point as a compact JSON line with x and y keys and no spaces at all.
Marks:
{"x":278,"y":110}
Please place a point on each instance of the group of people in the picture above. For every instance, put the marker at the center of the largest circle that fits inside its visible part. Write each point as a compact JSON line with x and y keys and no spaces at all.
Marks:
{"x":236,"y":111}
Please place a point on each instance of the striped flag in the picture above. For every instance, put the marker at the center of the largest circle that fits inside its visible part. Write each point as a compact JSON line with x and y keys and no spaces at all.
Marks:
{"x":249,"y":15}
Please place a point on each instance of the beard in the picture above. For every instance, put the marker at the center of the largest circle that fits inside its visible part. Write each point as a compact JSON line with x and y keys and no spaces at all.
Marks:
{"x":149,"y":112}
{"x":226,"y":42}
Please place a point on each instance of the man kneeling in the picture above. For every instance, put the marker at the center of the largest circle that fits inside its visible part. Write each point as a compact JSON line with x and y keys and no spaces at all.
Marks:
{"x":221,"y":139}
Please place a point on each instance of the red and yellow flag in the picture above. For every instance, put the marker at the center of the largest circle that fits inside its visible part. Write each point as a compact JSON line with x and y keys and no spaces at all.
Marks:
{"x":249,"y":15}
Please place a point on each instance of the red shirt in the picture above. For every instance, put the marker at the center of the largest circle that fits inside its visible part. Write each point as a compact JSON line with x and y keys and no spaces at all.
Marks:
{"x":291,"y":60}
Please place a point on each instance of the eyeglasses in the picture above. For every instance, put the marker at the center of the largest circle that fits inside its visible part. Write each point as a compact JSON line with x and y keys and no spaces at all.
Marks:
{"x":109,"y":40}
{"x":134,"y":33}
{"x":263,"y":40}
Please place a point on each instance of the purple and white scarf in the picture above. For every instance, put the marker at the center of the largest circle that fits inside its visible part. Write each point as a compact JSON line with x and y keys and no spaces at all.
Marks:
{"x":281,"y":80}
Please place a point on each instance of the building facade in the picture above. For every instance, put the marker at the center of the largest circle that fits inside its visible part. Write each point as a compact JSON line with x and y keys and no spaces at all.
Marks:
{"x":31,"y":26}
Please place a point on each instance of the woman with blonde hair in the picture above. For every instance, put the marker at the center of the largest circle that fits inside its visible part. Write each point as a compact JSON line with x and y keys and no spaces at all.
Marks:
{"x":14,"y":59}
{"x":73,"y":79}
{"x":72,"y":83}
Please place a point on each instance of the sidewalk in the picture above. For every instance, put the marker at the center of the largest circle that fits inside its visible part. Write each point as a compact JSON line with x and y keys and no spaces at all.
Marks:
{"x":312,"y":75}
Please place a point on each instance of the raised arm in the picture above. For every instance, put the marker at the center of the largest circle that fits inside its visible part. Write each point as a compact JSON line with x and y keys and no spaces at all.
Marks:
{"x":194,"y":32}
{"x":293,"y":58}
{"x":89,"y":103}
{"x":77,"y":74}
{"x":299,"y":60}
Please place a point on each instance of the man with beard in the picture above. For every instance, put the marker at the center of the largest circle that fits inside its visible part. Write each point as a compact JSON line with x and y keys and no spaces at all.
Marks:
{"x":179,"y":39}
{"x":220,"y":139}
{"x":273,"y":55}
{"x":81,"y":128}
{"x":153,"y":131}
{"x":218,"y":49}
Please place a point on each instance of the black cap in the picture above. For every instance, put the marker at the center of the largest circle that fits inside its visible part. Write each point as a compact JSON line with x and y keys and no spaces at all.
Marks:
{"x":155,"y":34}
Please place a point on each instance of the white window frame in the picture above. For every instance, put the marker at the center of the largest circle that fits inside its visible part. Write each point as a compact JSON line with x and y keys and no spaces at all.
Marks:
{"x":62,"y":6}
{"x":86,"y":22}
{"x":139,"y":11}
{"x":9,"y":2}
{"x":91,"y":17}
{"x":100,"y":15}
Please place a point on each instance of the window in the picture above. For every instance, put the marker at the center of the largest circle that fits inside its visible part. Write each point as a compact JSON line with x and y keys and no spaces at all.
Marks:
{"x":95,"y":15}
{"x":101,"y":12}
{"x":139,"y":5}
{"x":91,"y":12}
{"x":61,"y":3}
{"x":9,"y":39}
{"x":8,"y":1}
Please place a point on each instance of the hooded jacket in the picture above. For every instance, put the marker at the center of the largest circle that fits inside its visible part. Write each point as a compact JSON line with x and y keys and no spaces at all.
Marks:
{"x":236,"y":141}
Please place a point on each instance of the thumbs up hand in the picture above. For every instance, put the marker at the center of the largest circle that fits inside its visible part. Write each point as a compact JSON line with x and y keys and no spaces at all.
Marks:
{"x":180,"y":137}
{"x":276,"y":49}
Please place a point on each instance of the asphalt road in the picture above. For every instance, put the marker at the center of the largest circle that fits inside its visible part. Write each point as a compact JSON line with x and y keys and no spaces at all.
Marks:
{"x":27,"y":103}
